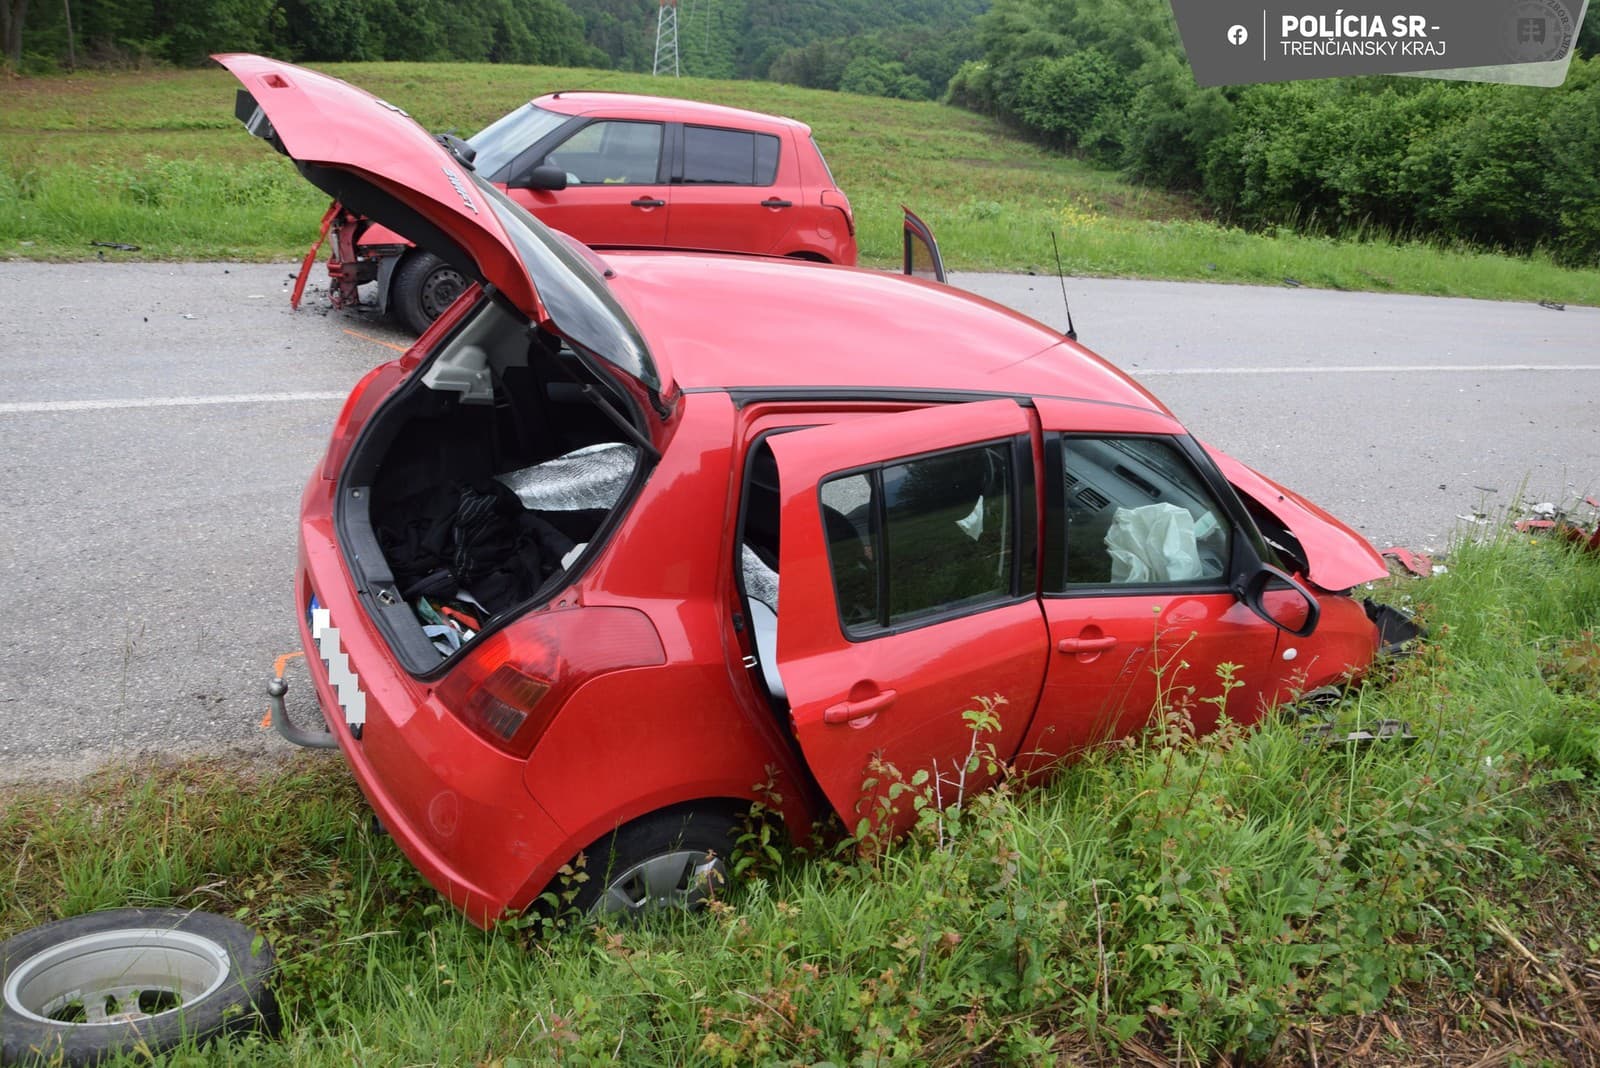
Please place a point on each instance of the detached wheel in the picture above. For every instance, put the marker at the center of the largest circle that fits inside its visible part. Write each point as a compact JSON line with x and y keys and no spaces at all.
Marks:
{"x":423,"y":287}
{"x":83,"y":989}
{"x":673,"y":859}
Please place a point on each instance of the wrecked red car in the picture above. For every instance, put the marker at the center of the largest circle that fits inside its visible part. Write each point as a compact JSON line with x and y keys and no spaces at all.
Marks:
{"x":618,"y":169}
{"x":624,"y":537}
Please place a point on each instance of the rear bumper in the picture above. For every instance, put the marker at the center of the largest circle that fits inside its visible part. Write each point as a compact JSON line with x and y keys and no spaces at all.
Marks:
{"x":458,"y":808}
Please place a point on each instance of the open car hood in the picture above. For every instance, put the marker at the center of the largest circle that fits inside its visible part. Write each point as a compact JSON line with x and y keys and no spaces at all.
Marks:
{"x":374,"y":158}
{"x":1335,"y":556}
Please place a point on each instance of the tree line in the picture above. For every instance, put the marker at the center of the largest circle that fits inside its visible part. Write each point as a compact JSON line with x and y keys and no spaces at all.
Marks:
{"x":1499,"y":166}
{"x":900,"y":48}
{"x":50,"y":33}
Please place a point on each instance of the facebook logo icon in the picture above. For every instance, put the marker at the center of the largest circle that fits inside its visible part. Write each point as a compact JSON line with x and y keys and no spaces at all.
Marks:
{"x":1238,"y":34}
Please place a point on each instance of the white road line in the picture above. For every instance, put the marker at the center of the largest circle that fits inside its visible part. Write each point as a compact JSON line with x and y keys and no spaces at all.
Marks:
{"x":20,"y":407}
{"x":1368,"y":369}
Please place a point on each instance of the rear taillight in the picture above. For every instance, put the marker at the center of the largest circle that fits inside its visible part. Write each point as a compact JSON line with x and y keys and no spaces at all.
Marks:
{"x":509,"y":688}
{"x":835,"y":199}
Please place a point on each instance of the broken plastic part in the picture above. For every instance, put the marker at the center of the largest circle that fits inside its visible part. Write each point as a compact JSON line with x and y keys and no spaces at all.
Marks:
{"x":1383,"y":730}
{"x":463,"y":369}
{"x":592,"y":477}
{"x":1419,"y":564}
{"x":1396,"y":628}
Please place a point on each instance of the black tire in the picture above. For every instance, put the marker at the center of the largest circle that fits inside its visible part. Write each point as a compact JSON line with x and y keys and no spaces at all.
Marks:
{"x":423,"y":287}
{"x":161,"y":975}
{"x":676,"y":858}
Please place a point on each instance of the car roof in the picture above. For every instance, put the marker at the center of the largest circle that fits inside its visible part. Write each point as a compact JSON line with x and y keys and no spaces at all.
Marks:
{"x":754,"y":323}
{"x":641,"y":106}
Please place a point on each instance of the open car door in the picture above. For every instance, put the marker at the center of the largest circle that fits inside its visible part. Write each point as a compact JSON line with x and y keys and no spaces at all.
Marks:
{"x":906,"y":600}
{"x":922,"y":259}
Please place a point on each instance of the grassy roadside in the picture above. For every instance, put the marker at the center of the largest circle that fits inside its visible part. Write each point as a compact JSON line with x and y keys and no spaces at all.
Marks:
{"x":1172,"y":901}
{"x":157,"y":160}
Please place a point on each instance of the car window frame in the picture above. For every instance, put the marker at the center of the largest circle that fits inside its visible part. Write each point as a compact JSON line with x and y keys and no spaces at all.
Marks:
{"x":1023,"y":489}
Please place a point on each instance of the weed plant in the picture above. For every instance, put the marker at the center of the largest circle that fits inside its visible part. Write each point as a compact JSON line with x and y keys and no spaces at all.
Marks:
{"x":1174,"y":897}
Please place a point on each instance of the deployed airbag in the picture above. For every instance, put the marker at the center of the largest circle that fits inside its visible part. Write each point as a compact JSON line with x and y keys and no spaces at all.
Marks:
{"x":1157,"y":543}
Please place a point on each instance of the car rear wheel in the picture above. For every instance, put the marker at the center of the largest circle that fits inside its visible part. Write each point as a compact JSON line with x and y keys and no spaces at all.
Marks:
{"x":673,"y":859}
{"x":84,"y":989}
{"x":424,"y":286}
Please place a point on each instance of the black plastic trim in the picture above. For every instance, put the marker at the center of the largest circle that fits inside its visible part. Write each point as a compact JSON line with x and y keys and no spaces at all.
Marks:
{"x":744,"y":396}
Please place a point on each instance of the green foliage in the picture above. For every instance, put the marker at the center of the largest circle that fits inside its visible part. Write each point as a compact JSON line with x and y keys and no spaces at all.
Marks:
{"x":185,"y":32}
{"x":1208,"y":897}
{"x":1496,"y":166}
{"x":1080,"y":98}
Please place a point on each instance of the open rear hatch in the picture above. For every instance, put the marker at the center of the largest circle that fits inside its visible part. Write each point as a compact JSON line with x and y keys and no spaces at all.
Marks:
{"x":484,"y":485}
{"x":496,"y":469}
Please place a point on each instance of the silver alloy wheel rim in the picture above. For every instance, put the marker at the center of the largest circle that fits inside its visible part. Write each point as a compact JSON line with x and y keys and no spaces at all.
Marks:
{"x":117,"y":977}
{"x":685,"y":879}
{"x":440,"y":290}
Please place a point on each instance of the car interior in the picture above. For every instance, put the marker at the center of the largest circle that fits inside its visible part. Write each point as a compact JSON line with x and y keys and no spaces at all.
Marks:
{"x":485,"y":479}
{"x":1122,"y":496}
{"x":943,"y":529}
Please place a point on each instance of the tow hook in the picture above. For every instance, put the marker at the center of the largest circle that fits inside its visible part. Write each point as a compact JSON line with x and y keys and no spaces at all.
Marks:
{"x":276,"y":688}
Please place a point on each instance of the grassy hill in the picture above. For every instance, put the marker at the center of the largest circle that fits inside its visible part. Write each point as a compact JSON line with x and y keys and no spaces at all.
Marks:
{"x":157,"y":160}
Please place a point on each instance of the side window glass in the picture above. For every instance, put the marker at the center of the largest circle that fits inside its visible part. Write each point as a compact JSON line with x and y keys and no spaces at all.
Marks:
{"x":1137,"y":513}
{"x":714,"y":156}
{"x":610,"y":153}
{"x":766,"y":159}
{"x":848,"y":507}
{"x":922,"y":537}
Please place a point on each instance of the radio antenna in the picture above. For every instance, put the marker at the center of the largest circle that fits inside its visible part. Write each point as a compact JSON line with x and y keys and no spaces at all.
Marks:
{"x":1072,"y":332}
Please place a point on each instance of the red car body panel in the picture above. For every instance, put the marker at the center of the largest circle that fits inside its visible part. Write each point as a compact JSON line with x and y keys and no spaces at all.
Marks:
{"x":826,"y":372}
{"x":1337,"y":557}
{"x":731,"y":218}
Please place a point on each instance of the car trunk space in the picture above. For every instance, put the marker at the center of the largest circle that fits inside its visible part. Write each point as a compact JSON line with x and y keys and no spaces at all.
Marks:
{"x":482,"y":486}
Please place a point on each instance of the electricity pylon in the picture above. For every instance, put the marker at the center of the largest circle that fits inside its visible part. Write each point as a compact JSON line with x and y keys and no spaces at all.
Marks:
{"x":667,"y":38}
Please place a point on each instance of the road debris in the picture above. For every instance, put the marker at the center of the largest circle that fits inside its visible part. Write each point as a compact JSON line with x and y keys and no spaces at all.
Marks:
{"x":1419,"y":564}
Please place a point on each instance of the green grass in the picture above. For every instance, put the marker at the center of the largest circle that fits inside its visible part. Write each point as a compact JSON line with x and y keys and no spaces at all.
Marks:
{"x":157,"y":160}
{"x":1172,"y":900}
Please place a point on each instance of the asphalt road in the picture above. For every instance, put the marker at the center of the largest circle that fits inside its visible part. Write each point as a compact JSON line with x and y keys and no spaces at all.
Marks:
{"x":158,"y":421}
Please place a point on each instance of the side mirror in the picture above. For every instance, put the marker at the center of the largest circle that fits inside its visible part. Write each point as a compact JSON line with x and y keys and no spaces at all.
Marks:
{"x":1281,"y":601}
{"x":544,"y":176}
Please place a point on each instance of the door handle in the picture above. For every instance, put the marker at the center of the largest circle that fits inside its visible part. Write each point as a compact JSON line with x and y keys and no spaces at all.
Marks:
{"x":1086,"y":645}
{"x":775,"y":202}
{"x":648,"y":202}
{"x":845,"y":711}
